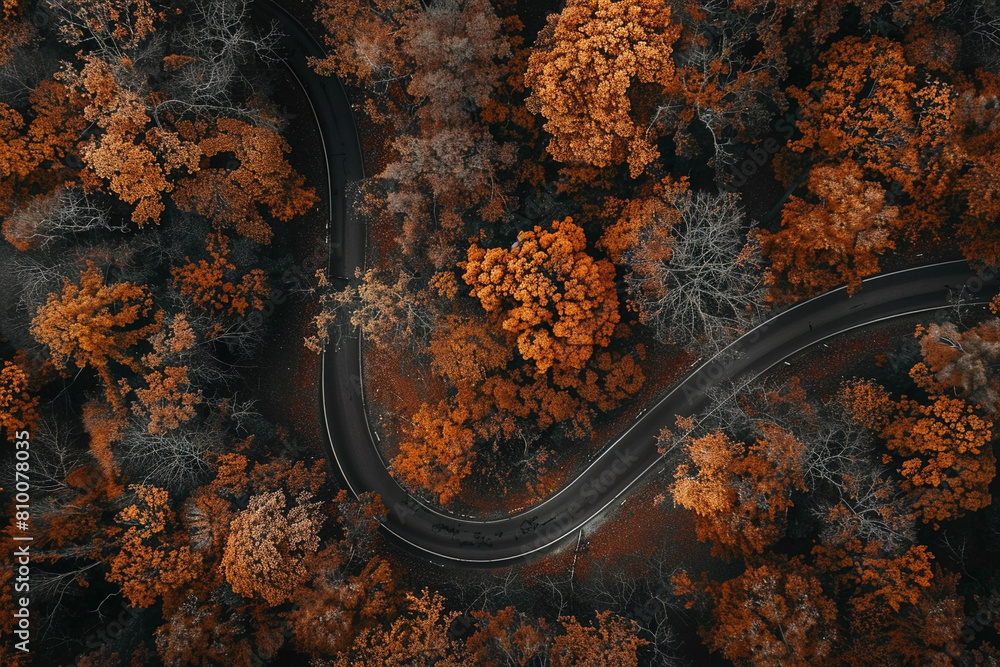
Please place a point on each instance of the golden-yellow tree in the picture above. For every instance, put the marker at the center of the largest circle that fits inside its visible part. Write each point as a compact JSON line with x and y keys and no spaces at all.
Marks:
{"x":269,"y":544}
{"x":740,"y":495}
{"x":97,"y":325}
{"x":597,"y":75}
{"x":151,"y":559}
{"x":560,"y":301}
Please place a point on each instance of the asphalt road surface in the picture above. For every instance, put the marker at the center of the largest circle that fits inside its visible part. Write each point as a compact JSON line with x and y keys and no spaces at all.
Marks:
{"x":621,"y":464}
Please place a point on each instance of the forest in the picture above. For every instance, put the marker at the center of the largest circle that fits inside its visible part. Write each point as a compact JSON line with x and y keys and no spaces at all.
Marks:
{"x":568,"y":207}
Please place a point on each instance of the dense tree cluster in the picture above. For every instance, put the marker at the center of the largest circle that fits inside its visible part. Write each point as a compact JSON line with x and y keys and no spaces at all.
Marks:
{"x":870,"y":468}
{"x":567,"y":198}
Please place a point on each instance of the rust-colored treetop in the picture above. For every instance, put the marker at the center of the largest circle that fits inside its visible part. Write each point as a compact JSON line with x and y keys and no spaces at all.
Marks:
{"x":773,"y":614}
{"x":268,"y":543}
{"x":836,"y":240}
{"x":102,"y":126}
{"x":259,"y":179}
{"x":96,"y":324}
{"x":596,"y":74}
{"x":947,"y":460}
{"x":212,"y":285}
{"x":559,"y":300}
{"x":151,"y":560}
{"x":17,"y":405}
{"x":740,"y":494}
{"x":438,"y":454}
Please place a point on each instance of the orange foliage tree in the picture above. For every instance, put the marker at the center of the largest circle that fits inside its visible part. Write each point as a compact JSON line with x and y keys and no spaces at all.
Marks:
{"x":772,"y":614}
{"x":142,"y":154}
{"x":834,"y":237}
{"x":269,"y":544}
{"x":114,"y":26}
{"x":150,"y":561}
{"x":104,"y":425}
{"x":901,"y":608}
{"x":437,"y":455}
{"x":212,"y":284}
{"x":35,"y":150}
{"x":415,"y":639}
{"x":596,"y":75}
{"x":168,"y":397}
{"x":96,"y":325}
{"x":559,"y":301}
{"x":870,"y":124}
{"x":796,"y":27}
{"x":365,"y":38}
{"x":478,"y":361}
{"x":740,"y":495}
{"x":507,"y":635}
{"x":14,"y":27}
{"x":494,"y":401}
{"x":340,"y":605}
{"x":267,"y":550}
{"x":351,"y":587}
{"x":259,"y":178}
{"x":611,"y":642}
{"x":944,"y":447}
{"x":947,"y":457}
{"x":979,"y":186}
{"x":17,"y":405}
{"x":876,"y":582}
{"x":420,"y":638}
{"x":132,"y":162}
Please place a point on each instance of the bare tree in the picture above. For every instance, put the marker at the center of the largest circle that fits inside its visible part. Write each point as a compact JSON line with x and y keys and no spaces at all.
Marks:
{"x":708,"y":289}
{"x":36,"y":279}
{"x":25,"y":68}
{"x":385,"y":309}
{"x":174,"y":460}
{"x":647,"y":599}
{"x":44,"y":220}
{"x":980,"y":21}
{"x":869,"y":506}
{"x":215,"y":46}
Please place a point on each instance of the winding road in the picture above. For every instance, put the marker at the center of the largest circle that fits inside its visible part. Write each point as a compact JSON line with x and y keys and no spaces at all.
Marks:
{"x":621,"y":464}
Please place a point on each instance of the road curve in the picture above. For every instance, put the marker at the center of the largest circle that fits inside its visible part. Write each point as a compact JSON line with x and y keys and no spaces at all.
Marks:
{"x":447,"y":539}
